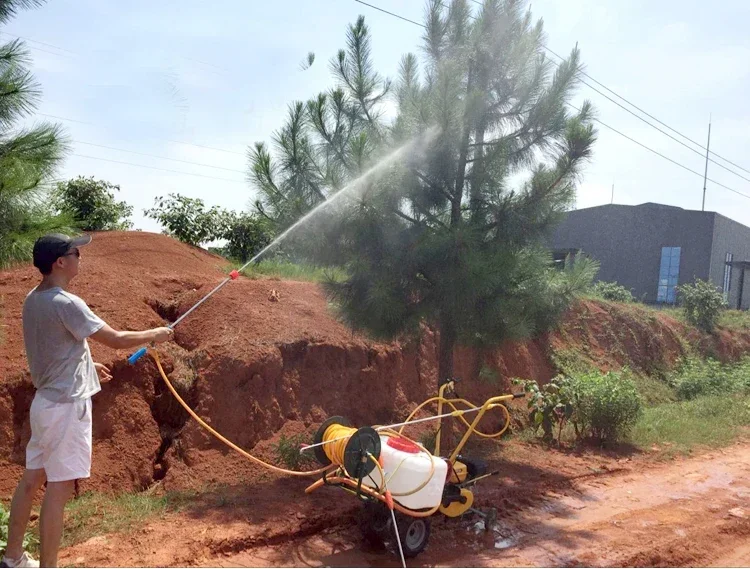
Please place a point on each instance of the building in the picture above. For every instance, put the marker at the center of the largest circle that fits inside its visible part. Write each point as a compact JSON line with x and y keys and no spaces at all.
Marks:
{"x":651,"y":248}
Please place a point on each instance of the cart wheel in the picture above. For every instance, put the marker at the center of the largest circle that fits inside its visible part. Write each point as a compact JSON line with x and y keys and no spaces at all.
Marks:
{"x":414,"y":533}
{"x":375,"y":523}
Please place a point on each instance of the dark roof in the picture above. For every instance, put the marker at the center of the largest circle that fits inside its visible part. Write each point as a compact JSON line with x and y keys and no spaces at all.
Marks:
{"x":659,"y":205}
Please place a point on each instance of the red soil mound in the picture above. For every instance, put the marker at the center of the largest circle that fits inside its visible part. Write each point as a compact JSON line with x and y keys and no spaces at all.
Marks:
{"x":256,"y":367}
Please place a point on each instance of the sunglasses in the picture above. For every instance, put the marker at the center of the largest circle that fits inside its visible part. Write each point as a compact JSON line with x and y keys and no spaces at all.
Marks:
{"x":77,"y":253}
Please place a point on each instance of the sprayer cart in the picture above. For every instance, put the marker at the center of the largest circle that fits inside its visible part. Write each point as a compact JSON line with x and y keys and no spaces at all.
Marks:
{"x":399,"y":482}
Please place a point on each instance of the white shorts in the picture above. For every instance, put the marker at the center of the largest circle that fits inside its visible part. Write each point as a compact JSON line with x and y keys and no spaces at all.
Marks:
{"x":60,"y":439}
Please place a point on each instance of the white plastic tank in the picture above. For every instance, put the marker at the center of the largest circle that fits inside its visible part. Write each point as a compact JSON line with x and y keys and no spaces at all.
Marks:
{"x":406,"y":467}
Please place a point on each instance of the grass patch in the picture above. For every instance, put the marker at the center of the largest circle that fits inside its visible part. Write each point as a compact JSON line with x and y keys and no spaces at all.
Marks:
{"x":95,"y":514}
{"x":698,"y":378}
{"x":653,"y":391}
{"x":671,"y":311}
{"x":712,"y":421}
{"x":735,"y":319}
{"x":293,"y":271}
{"x":571,"y":362}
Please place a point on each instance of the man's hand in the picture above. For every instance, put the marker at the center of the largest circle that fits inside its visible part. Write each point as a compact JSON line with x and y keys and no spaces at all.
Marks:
{"x":162,"y":335}
{"x":103,"y":372}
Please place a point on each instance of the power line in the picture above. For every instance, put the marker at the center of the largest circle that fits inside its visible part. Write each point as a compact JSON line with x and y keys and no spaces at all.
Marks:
{"x":665,"y":133}
{"x":39,"y":42}
{"x":698,"y":152}
{"x":159,"y":157}
{"x":391,"y":14}
{"x":644,"y":112}
{"x":157,"y":168}
{"x":698,"y":144}
{"x":48,"y":51}
{"x":57,"y":117}
{"x":665,"y":157}
{"x":612,"y":128}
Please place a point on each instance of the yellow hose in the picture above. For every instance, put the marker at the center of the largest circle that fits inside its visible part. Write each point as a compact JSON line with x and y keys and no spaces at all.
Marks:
{"x":339,"y":434}
{"x":458,"y":413}
{"x":226,"y":441}
{"x":339,"y":437}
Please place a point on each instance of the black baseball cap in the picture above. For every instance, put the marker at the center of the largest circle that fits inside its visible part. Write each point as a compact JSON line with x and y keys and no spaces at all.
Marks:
{"x":52,"y":246}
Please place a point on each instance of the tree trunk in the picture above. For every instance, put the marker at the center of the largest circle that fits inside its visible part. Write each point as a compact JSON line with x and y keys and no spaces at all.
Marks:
{"x":445,"y":372}
{"x":477,"y":174}
{"x":463,"y":153}
{"x":445,"y":350}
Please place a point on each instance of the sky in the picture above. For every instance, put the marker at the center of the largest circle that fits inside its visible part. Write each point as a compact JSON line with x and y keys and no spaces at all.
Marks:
{"x":167,"y":96}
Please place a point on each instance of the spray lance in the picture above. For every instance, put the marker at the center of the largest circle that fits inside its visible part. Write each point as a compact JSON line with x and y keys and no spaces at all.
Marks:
{"x":232,"y":276}
{"x":346,"y":190}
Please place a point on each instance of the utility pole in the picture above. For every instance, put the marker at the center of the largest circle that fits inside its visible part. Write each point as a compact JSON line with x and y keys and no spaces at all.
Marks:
{"x":705,"y":173}
{"x":613,"y":194}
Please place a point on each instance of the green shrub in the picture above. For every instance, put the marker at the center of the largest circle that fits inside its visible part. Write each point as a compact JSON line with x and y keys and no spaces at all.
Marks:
{"x":703,"y":303}
{"x":246,"y":235}
{"x":698,"y":378}
{"x":288,"y":451}
{"x":607,"y":405}
{"x":92,"y":204}
{"x":551,"y":405}
{"x":612,"y":291}
{"x":187,"y":219}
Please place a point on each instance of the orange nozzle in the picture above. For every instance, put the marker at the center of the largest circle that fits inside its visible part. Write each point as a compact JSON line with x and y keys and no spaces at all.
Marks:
{"x":389,"y":499}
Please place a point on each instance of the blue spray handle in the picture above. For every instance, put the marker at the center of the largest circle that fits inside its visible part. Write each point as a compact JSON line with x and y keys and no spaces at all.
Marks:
{"x":137,"y":356}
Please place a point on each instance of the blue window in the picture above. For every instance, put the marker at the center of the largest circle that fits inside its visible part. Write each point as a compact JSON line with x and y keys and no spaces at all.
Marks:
{"x":669,"y":275}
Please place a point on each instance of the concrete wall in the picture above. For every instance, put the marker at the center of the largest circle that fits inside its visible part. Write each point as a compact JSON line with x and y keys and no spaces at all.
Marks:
{"x":627,"y":241}
{"x":730,"y":237}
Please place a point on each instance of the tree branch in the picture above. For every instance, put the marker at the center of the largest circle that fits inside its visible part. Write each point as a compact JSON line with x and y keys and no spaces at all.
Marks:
{"x":432,"y":185}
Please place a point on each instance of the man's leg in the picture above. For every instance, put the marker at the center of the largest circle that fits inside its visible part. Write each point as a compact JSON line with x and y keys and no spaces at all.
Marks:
{"x":20,"y":510}
{"x":51,"y":520}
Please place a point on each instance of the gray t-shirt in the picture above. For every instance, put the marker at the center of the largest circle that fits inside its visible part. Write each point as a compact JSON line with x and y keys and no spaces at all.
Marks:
{"x":55,"y":327}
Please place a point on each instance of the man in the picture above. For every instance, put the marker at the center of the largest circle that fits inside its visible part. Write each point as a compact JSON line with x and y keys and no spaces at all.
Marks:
{"x":56,"y":325}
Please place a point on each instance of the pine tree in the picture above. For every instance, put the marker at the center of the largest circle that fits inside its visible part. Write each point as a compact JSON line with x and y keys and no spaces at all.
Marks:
{"x":28,"y":156}
{"x":450,"y":235}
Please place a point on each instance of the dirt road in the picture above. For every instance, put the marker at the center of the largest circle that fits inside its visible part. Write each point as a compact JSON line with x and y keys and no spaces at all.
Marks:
{"x":685,"y":512}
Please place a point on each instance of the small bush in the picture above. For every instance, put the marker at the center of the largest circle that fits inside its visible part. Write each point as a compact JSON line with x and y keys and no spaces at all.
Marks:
{"x":187,"y":219}
{"x":288,"y":451}
{"x":703,"y":304}
{"x":246,"y":235}
{"x":612,"y":291}
{"x":697,"y":378}
{"x":607,"y":405}
{"x":92,"y":204}
{"x":551,"y":406}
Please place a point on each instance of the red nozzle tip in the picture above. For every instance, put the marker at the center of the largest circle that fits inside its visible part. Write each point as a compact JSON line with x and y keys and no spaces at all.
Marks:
{"x":389,"y":499}
{"x":234,"y":274}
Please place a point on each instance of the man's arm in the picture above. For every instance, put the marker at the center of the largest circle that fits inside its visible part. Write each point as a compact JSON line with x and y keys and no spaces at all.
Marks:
{"x":122,"y":340}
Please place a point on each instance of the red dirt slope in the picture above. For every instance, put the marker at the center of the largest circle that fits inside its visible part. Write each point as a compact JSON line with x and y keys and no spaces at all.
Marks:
{"x":255,"y":368}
